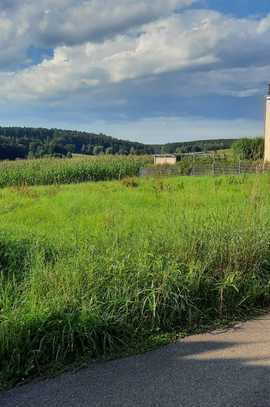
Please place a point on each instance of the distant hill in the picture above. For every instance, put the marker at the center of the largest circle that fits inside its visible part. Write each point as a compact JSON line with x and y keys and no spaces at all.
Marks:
{"x":195,"y":146}
{"x":23,"y":142}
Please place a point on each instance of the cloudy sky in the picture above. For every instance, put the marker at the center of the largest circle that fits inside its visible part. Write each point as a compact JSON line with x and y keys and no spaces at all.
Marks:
{"x":146,"y":70}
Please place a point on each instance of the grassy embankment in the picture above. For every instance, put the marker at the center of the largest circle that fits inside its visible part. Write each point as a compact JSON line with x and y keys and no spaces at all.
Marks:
{"x":88,"y":269}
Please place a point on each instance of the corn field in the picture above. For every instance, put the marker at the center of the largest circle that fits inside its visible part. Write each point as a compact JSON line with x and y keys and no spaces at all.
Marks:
{"x":68,"y":171}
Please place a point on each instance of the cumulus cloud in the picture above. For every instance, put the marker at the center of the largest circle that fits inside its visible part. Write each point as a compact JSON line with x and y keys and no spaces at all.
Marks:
{"x":95,"y":20}
{"x":15,"y":35}
{"x":50,"y":23}
{"x":207,"y":49}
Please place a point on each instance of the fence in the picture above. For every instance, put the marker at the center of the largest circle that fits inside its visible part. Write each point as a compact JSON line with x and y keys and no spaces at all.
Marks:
{"x":200,"y":169}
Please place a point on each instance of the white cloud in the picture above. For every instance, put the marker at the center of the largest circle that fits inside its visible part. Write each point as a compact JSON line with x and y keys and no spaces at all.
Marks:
{"x":207,"y":48}
{"x":50,"y":23}
{"x":90,"y":20}
{"x":264,"y":25}
{"x":14,"y":36}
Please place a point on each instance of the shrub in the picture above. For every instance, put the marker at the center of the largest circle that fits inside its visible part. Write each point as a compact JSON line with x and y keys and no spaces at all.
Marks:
{"x":249,"y":149}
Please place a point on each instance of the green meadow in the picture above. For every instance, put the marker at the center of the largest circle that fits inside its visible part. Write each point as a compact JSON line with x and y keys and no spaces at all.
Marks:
{"x":86,"y":270}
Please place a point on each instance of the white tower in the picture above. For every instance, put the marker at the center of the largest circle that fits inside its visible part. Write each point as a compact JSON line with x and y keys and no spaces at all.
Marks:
{"x":267,"y":129}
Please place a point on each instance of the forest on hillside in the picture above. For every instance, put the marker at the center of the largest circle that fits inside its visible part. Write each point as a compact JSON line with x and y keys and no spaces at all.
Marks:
{"x":27,"y":142}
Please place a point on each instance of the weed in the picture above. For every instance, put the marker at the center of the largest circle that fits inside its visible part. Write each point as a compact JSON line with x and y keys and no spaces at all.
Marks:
{"x":130,"y":182}
{"x":88,"y":269}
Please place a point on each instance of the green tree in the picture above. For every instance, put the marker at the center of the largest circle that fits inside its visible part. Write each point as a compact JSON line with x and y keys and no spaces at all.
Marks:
{"x":71,"y":148}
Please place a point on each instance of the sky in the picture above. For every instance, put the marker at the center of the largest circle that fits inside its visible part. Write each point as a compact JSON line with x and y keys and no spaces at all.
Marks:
{"x":153,"y":71}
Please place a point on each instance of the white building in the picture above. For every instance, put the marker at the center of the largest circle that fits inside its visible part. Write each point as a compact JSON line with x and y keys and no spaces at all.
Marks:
{"x":161,"y":159}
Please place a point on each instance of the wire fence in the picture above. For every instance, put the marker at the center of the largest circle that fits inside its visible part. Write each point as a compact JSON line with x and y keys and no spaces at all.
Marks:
{"x":200,"y":169}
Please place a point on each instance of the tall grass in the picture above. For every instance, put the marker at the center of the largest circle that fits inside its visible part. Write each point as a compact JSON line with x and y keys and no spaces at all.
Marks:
{"x":87,"y":269}
{"x":66,"y":171}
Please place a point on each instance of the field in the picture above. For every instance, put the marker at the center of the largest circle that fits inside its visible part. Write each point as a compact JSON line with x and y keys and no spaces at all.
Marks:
{"x":88,"y":269}
{"x":65,"y":171}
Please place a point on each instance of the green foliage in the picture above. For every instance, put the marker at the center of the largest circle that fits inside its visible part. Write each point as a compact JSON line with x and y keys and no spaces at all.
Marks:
{"x":87,"y":269}
{"x":98,"y":150}
{"x":249,"y":149}
{"x":131,"y":182}
{"x":197,"y":146}
{"x":17,"y":142}
{"x":67,"y":171}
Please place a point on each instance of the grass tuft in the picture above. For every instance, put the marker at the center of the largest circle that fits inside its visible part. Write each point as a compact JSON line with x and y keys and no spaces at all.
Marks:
{"x":88,"y":270}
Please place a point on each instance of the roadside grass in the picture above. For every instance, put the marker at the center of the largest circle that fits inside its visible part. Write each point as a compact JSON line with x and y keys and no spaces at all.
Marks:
{"x":99,"y":269}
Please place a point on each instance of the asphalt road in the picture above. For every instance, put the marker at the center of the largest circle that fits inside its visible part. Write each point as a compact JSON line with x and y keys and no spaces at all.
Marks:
{"x":220,"y":369}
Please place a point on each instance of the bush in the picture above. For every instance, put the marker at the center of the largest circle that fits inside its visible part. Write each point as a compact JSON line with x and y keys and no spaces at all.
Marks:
{"x":249,"y":149}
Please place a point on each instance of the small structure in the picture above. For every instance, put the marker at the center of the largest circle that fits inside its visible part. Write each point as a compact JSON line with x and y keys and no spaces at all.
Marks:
{"x":267,"y":129}
{"x":161,"y":159}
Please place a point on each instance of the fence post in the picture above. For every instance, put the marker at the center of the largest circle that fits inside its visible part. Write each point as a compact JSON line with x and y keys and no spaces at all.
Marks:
{"x":239,"y":167}
{"x":213,"y":168}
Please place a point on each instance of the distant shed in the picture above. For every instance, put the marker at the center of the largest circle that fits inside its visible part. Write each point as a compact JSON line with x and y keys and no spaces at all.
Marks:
{"x":161,"y":159}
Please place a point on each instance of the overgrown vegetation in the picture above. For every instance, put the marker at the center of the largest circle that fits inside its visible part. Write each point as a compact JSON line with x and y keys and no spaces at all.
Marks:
{"x":66,"y":171}
{"x":87,"y":269}
{"x":248,"y":149}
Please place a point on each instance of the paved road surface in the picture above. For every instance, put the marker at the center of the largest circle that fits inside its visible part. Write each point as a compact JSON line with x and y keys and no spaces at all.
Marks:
{"x":221,"y":369}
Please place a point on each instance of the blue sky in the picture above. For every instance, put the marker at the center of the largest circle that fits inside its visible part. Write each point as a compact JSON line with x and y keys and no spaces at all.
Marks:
{"x":148,"y":70}
{"x":240,"y":8}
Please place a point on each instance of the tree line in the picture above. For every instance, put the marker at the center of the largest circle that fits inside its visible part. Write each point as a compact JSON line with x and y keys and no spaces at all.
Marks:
{"x":197,"y":146}
{"x":24,"y":142}
{"x":27,"y":142}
